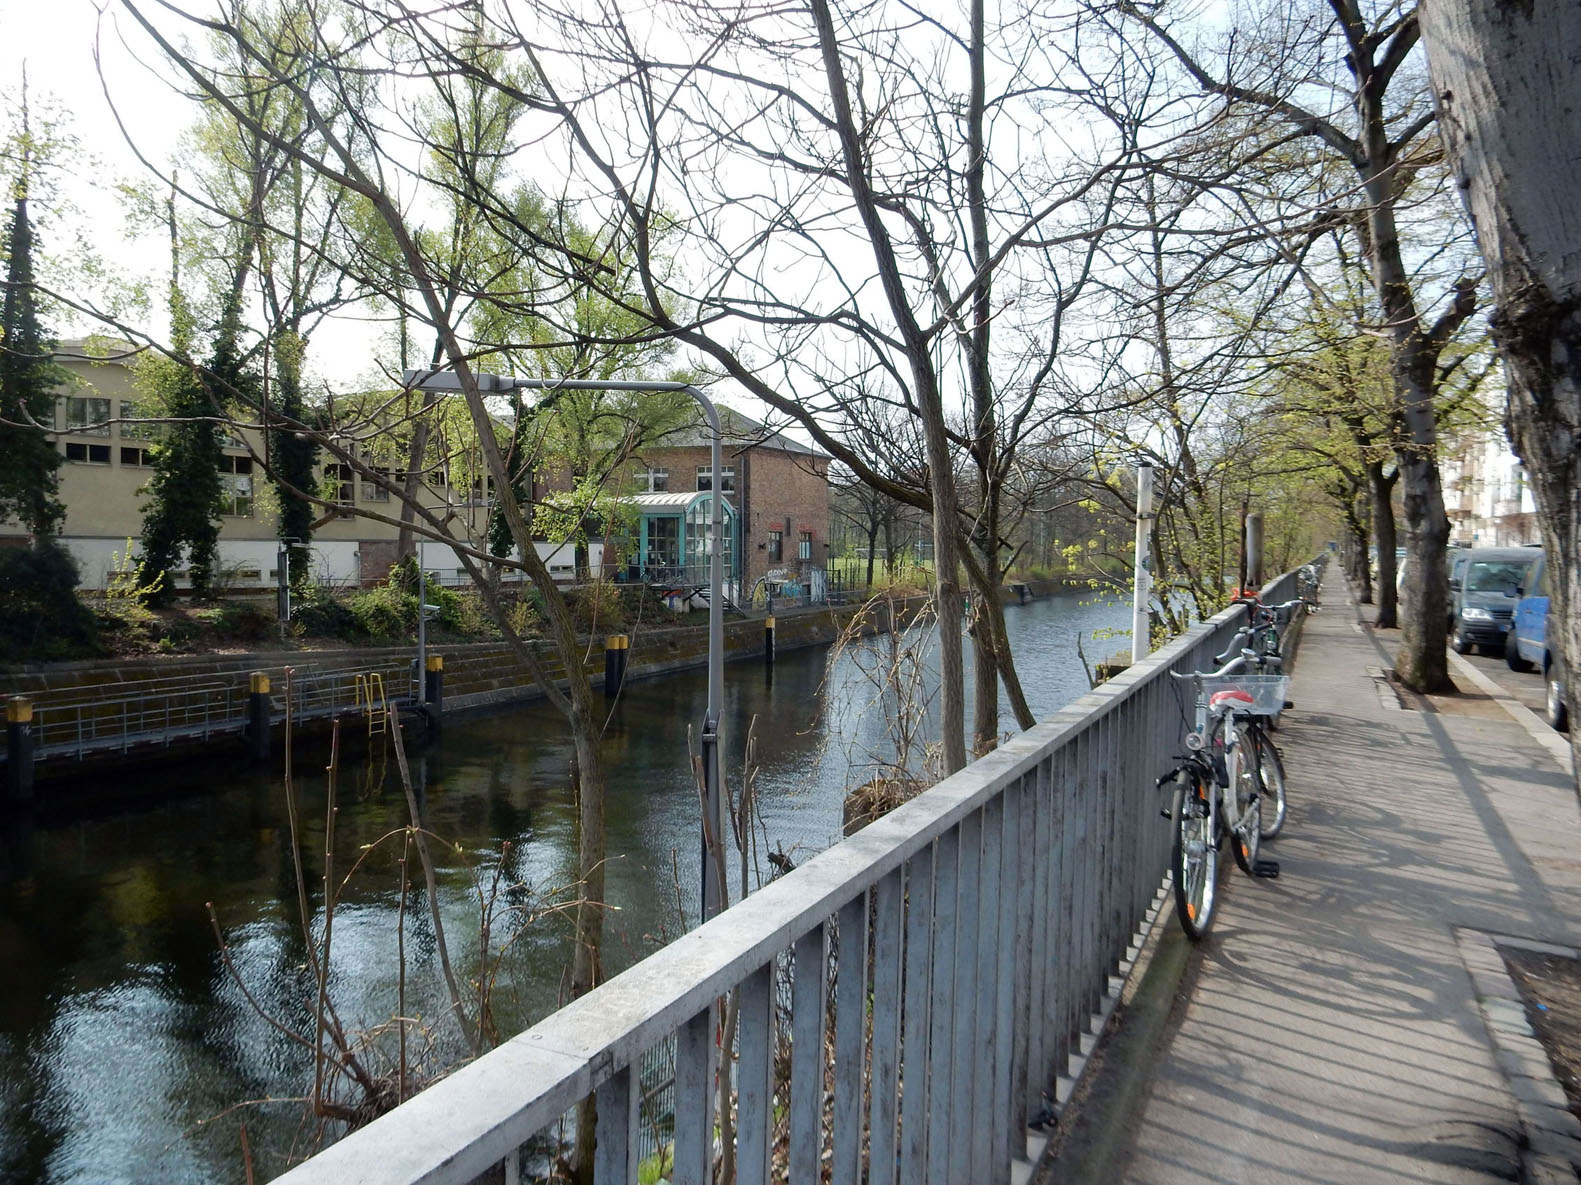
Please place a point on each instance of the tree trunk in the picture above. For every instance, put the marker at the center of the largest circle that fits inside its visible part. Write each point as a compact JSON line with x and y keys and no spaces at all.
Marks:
{"x":1504,"y":79}
{"x":1353,"y":552}
{"x":1384,"y":538}
{"x":1422,"y":660}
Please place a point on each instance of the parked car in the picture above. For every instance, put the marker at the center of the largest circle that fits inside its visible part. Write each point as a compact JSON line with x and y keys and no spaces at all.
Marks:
{"x":1456,"y":562}
{"x":1530,"y":644}
{"x":1481,"y":601}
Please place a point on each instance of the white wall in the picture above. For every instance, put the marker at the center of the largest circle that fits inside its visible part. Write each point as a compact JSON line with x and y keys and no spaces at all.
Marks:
{"x":247,"y":563}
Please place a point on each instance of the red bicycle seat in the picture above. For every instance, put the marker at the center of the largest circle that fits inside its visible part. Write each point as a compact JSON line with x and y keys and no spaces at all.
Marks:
{"x":1230,"y":695}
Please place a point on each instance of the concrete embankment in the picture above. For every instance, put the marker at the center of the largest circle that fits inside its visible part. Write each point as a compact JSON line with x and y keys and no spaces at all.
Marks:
{"x":482,"y":673}
{"x":477,"y":674}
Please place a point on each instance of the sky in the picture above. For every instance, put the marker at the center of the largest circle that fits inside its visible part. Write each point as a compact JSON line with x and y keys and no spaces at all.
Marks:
{"x":56,"y":41}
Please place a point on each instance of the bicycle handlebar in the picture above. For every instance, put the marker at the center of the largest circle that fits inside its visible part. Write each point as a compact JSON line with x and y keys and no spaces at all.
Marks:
{"x":1236,"y":665}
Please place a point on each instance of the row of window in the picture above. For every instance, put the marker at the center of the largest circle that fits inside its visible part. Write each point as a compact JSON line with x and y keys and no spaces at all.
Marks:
{"x":88,"y":415}
{"x":776,"y":547}
{"x":656,"y":479}
{"x":237,"y":484}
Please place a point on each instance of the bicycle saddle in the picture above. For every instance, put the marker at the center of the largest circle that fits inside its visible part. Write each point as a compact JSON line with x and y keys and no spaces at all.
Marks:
{"x":1233,"y":696}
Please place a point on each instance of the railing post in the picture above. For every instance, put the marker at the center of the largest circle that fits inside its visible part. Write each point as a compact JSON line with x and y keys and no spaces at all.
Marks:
{"x":19,"y":749}
{"x":617,"y":650}
{"x":258,"y":708}
{"x":434,"y":691}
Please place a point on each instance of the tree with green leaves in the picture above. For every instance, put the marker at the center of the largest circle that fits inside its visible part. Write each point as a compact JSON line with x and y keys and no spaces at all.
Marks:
{"x":293,"y":455}
{"x":29,"y":477}
{"x":182,"y":514}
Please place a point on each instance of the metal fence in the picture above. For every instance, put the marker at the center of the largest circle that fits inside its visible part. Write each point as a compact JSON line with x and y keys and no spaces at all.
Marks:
{"x":122,"y":716}
{"x":943,"y":966}
{"x":119,"y":717}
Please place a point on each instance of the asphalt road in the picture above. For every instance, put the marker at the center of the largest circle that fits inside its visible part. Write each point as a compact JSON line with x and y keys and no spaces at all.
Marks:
{"x":1526,"y":688}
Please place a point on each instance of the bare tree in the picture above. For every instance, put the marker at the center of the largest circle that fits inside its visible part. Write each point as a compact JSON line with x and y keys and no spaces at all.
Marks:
{"x":1345,"y":81}
{"x":312,"y":62}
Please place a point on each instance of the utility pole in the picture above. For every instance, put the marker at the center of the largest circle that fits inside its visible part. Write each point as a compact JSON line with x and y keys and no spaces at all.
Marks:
{"x":1142,"y":566}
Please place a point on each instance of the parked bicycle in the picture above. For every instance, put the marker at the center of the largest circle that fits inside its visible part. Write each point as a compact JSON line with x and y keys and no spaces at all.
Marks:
{"x":1259,"y":642}
{"x":1218,"y":792}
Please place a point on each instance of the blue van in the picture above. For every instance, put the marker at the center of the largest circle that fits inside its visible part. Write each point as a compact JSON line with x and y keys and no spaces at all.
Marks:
{"x":1529,"y":646}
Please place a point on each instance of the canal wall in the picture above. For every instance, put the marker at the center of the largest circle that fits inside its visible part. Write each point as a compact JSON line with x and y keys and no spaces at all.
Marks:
{"x":77,"y":706}
{"x":477,"y":674}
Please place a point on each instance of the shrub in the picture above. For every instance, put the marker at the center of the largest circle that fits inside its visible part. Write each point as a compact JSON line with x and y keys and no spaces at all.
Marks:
{"x":597,"y":606}
{"x":243,"y":621}
{"x":525,"y":618}
{"x":41,"y":618}
{"x":383,"y":612}
{"x":319,"y":613}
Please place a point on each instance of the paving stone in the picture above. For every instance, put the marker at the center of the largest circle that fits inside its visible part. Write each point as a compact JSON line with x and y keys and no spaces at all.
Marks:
{"x":1548,"y":1170}
{"x":1537,"y":1092}
{"x":1494,"y":985}
{"x":1529,"y":1060}
{"x":1559,"y":1120}
{"x":1546,"y":1143}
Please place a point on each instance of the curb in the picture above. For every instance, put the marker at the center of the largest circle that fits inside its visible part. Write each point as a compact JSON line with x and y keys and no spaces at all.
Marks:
{"x":1550,"y":1132}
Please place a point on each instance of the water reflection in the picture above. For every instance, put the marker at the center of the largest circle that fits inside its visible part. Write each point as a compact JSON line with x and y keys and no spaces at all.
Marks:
{"x":122,"y":1034}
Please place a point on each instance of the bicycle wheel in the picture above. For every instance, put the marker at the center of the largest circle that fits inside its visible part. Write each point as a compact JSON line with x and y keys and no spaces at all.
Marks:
{"x":1270,"y":780}
{"x":1195,"y":858}
{"x":1247,"y":834}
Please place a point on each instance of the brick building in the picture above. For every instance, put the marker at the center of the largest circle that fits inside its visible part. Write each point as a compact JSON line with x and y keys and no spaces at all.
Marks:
{"x":780,"y":489}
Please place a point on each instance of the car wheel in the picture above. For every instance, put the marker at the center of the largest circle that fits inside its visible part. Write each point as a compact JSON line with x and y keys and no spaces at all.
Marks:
{"x":1512,"y":656}
{"x":1558,"y":714}
{"x":1460,"y":642}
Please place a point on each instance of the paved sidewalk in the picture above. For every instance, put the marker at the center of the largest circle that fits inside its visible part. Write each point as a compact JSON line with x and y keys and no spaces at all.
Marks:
{"x":1340,"y":1023}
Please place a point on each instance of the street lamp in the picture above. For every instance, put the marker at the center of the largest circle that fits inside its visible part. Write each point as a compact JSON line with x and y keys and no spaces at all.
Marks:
{"x":448,"y":380}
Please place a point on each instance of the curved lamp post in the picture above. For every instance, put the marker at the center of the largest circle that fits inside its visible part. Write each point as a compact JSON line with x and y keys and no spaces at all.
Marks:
{"x":448,"y":380}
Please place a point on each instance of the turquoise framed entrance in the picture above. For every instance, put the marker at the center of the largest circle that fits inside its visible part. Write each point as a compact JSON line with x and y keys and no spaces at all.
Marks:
{"x":673,"y":541}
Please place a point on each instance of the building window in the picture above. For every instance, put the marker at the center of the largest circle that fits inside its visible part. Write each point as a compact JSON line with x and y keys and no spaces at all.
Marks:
{"x":372,"y":491}
{"x":238,"y":497}
{"x":135,"y":431}
{"x":776,"y":546}
{"x":804,"y":547}
{"x":727,"y":478}
{"x":237,"y":465}
{"x":91,"y":454}
{"x":339,"y":479}
{"x":657,"y":480}
{"x":87,"y":416}
{"x":137,"y":458}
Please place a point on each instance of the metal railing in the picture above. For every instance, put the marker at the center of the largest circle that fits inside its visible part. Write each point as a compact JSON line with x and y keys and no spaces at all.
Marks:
{"x":955,"y":951}
{"x":122,"y":716}
{"x":115,"y":718}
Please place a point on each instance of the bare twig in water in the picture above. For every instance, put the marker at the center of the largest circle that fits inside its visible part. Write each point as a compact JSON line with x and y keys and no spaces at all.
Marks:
{"x":468,"y":1033}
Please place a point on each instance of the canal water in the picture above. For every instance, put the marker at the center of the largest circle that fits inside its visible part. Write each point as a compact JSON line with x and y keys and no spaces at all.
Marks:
{"x":130,"y":1052}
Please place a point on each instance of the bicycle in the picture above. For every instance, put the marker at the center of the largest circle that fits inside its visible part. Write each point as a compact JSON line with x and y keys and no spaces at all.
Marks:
{"x":1218,"y":792}
{"x":1263,"y":654}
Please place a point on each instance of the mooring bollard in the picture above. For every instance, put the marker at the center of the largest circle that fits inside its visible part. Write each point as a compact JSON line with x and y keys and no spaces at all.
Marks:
{"x":768,"y":641}
{"x":434,"y":692}
{"x":258,"y":712}
{"x":617,"y":651}
{"x":19,"y":748}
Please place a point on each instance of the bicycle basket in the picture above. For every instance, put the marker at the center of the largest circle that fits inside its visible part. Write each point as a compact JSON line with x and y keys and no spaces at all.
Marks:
{"x":1268,"y":692}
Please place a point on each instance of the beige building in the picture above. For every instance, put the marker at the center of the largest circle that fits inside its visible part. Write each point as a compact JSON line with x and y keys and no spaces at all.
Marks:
{"x":108,"y":459}
{"x":777,"y":488}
